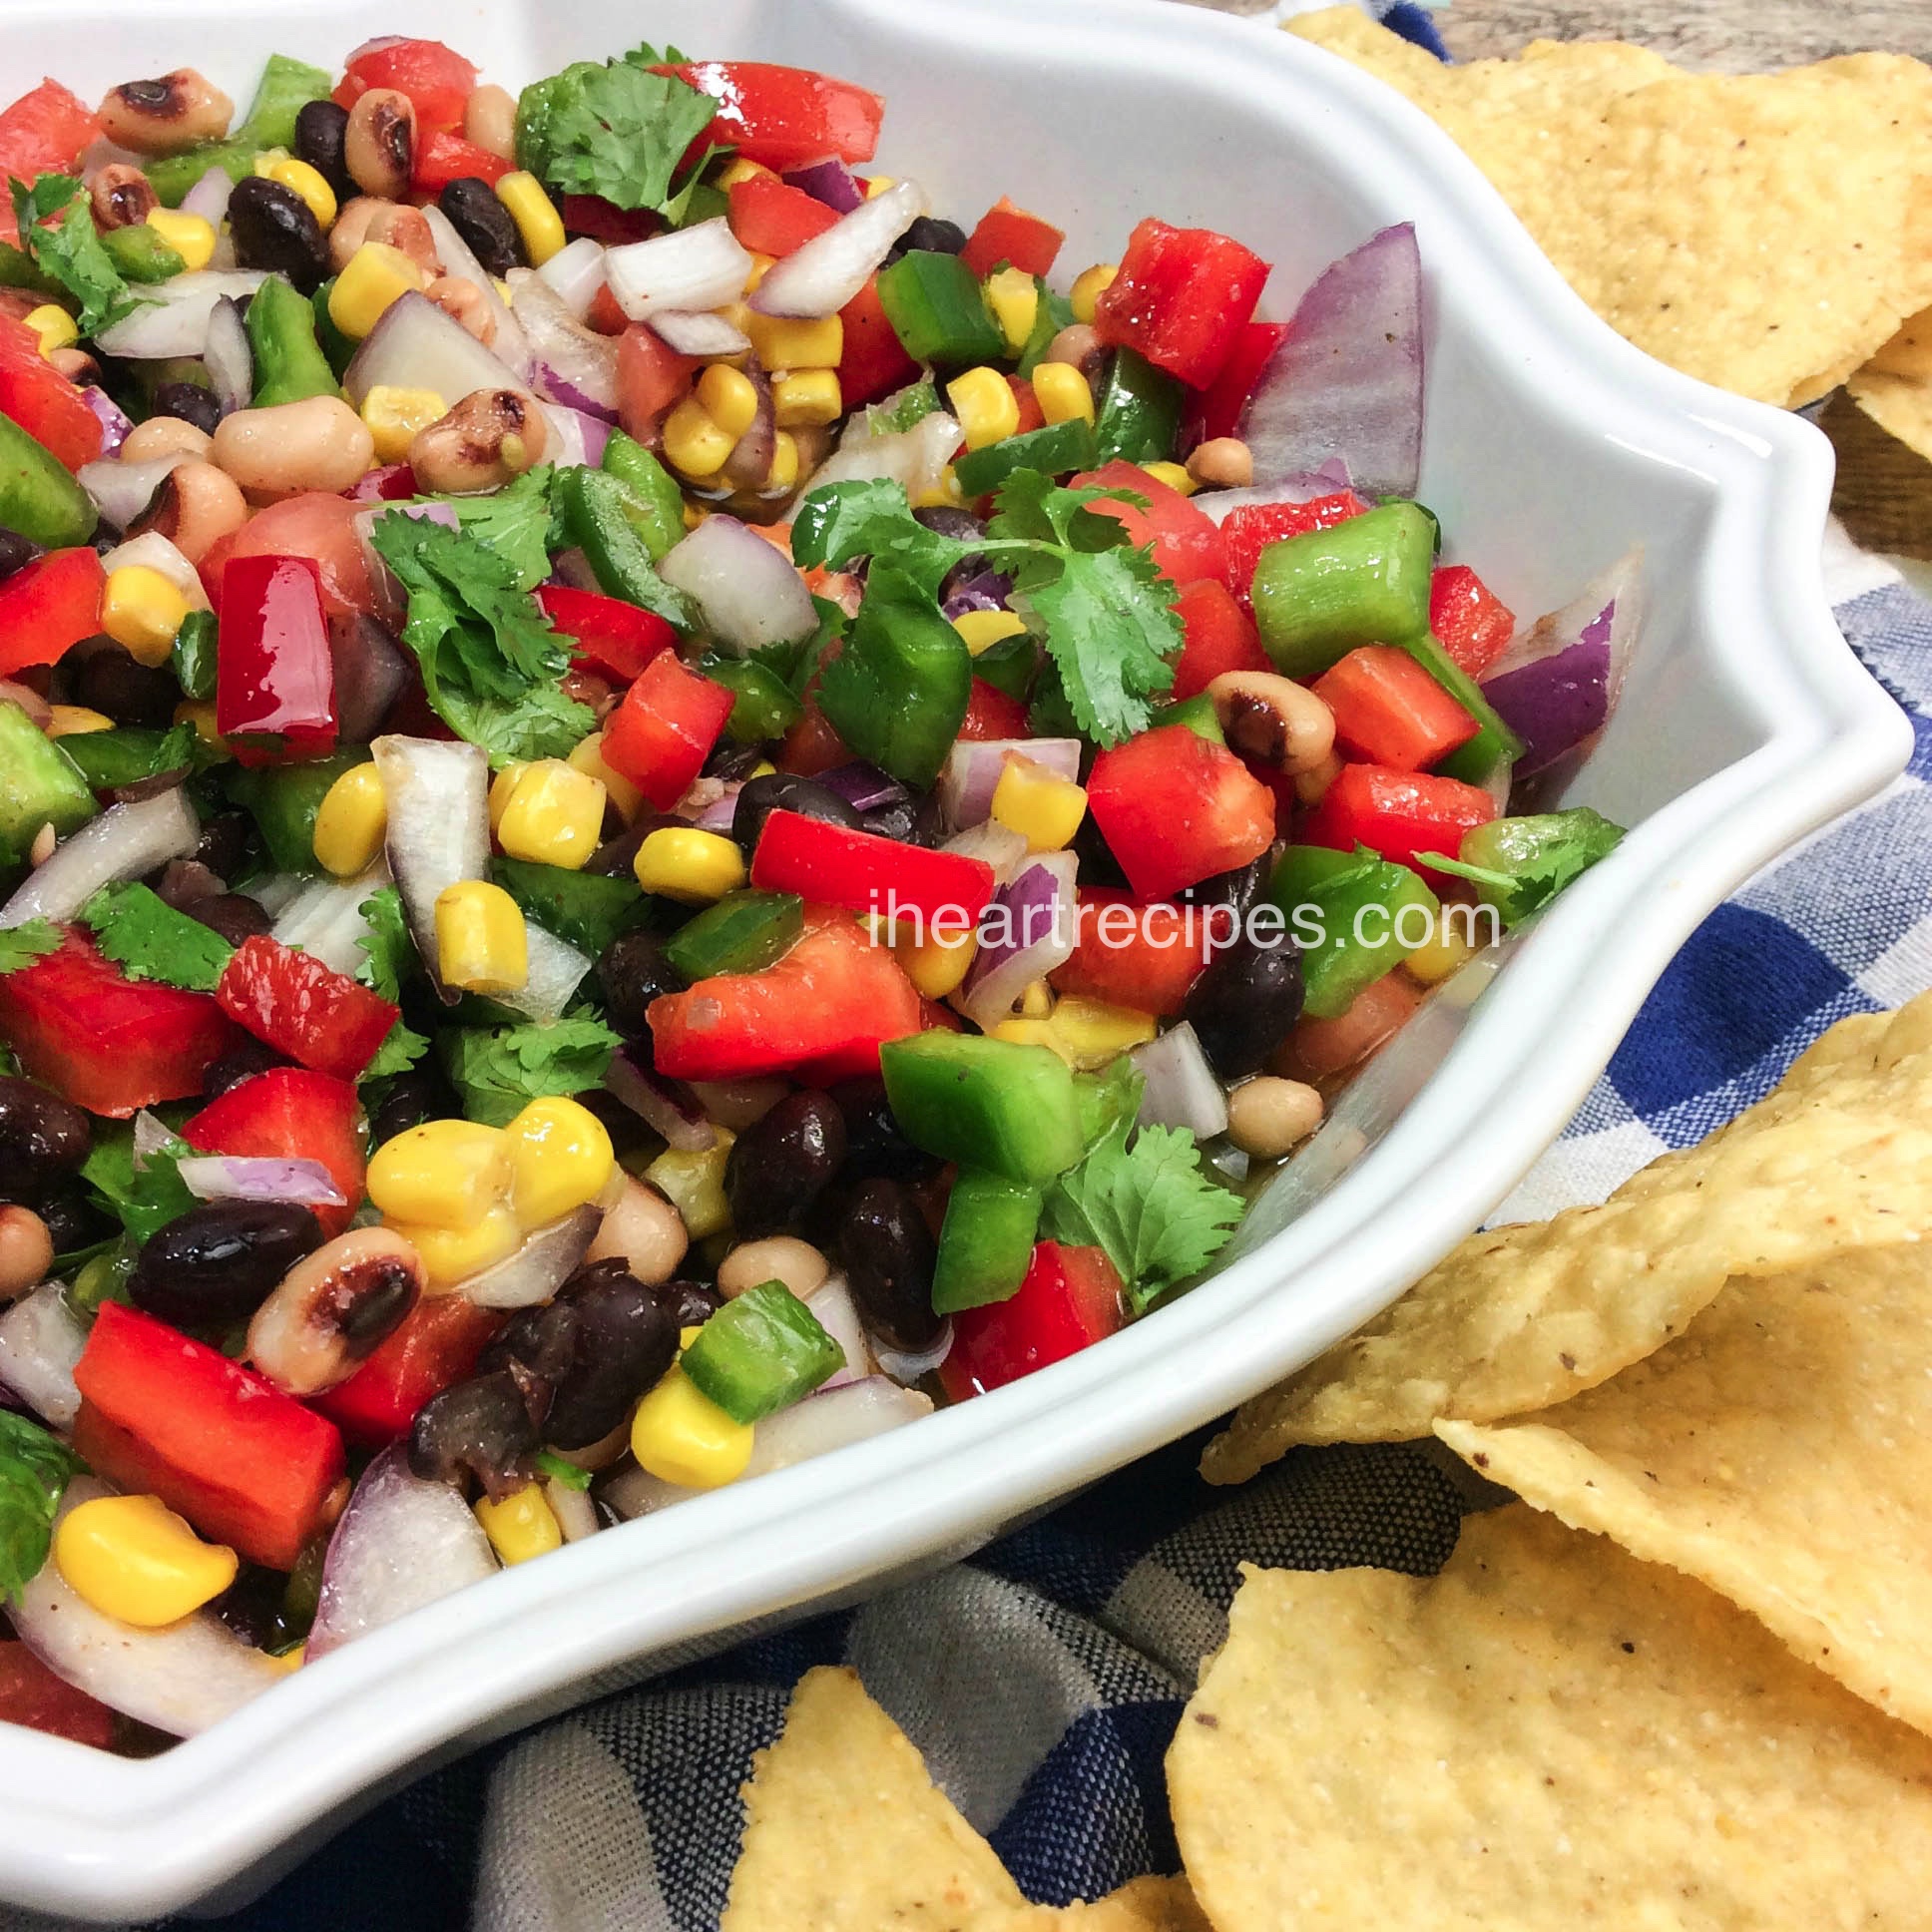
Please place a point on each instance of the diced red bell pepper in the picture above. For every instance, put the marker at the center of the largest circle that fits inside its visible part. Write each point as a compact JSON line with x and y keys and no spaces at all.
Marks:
{"x":769,"y":217}
{"x":324,"y":528}
{"x":301,"y":1008}
{"x":1176,"y":808}
{"x":275,"y":677}
{"x":1217,"y":410}
{"x":110,"y":1043}
{"x":1389,"y":710}
{"x":609,"y":633}
{"x":661,"y":733}
{"x":437,"y":79}
{"x":1139,"y":956}
{"x":31,"y":1695}
{"x":1248,"y":530}
{"x":1218,"y":636}
{"x":824,"y":1008}
{"x":52,"y":603}
{"x":1069,"y":1299}
{"x":387,"y":483}
{"x":874,"y":362}
{"x":433,"y":1347}
{"x":1469,"y":620}
{"x":291,"y":1113}
{"x":42,"y":133}
{"x":1008,"y":234}
{"x":784,"y":117}
{"x":42,"y":400}
{"x":650,"y":377}
{"x":1181,"y":297}
{"x":1400,"y":814}
{"x":1032,"y":416}
{"x":864,"y":872}
{"x":1187,"y":542}
{"x":442,"y":158}
{"x":990,"y":713}
{"x":167,"y":1416}
{"x":605,"y":222}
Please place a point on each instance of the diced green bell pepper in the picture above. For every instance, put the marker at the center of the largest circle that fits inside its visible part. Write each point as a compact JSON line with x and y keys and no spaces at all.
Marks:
{"x":990,"y":1104}
{"x":1009,"y":666}
{"x":763,"y":1351}
{"x":765,"y":707}
{"x":338,"y":348}
{"x":285,"y":798}
{"x":1197,"y":712}
{"x":289,"y":365}
{"x":593,"y":509}
{"x":1053,"y":313}
{"x":1345,"y":909}
{"x":743,"y":933}
{"x":140,"y":253}
{"x":655,"y":504}
{"x":587,"y":909}
{"x":986,"y":1242}
{"x":192,"y":657}
{"x":1106,"y":1098}
{"x":38,"y":785}
{"x":38,"y":495}
{"x":1053,"y":451}
{"x":1139,"y":413}
{"x":939,"y":311}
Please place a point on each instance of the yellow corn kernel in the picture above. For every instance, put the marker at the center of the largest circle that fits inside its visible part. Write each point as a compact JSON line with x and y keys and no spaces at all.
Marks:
{"x":442,"y":1173}
{"x":694,"y":441}
{"x":554,"y":815}
{"x":939,"y":965}
{"x":133,"y":1559}
{"x":453,"y":1255}
{"x":1063,"y":394}
{"x":301,"y":181}
{"x":985,"y":404}
{"x":588,"y":758}
{"x":142,"y":610}
{"x":1437,"y":957}
{"x":535,"y":214}
{"x":695,"y":868}
{"x":72,"y":720}
{"x":290,"y":1661}
{"x":54,"y":326}
{"x":376,"y":275}
{"x":1014,"y":298}
{"x":200,"y":712}
{"x":395,"y":415}
{"x":1036,"y":1002}
{"x":765,"y":769}
{"x":1173,"y":476}
{"x":945,"y":491}
{"x":502,"y":790}
{"x":1029,"y":1033}
{"x":681,"y":1436}
{"x":191,"y":237}
{"x":1039,"y":804}
{"x":810,"y":397}
{"x":878,"y":184}
{"x":729,"y":398}
{"x":560,"y":1158}
{"x":694,"y":1184}
{"x":522,"y":1526}
{"x":984,"y":629}
{"x":353,"y":823}
{"x":1089,"y":1033}
{"x":761,"y":266}
{"x":482,"y":945}
{"x":783,"y":344}
{"x":1088,"y":286}
{"x":784,"y":473}
{"x":742,"y":169}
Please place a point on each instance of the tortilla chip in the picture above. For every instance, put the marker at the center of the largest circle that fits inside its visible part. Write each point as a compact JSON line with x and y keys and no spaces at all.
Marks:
{"x":1902,"y":405}
{"x":1519,"y":1317}
{"x":1144,"y":1905}
{"x":1909,"y":352}
{"x":1550,"y":1735}
{"x":845,"y":1833}
{"x":1766,"y":232}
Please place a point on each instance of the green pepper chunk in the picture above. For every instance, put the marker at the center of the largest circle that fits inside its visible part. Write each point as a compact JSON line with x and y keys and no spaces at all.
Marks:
{"x":986,"y":1242}
{"x":287,"y":86}
{"x":38,"y":785}
{"x":1138,"y":414}
{"x":338,"y":348}
{"x":593,"y":506}
{"x":761,"y":1352}
{"x":1346,"y":912}
{"x":1009,"y":666}
{"x":1054,"y":314}
{"x":39,"y":497}
{"x":17,"y":270}
{"x":587,"y":909}
{"x":1518,"y":865}
{"x":655,"y":504}
{"x":129,"y":753}
{"x":765,"y":706}
{"x":992,"y":1104}
{"x":743,"y":933}
{"x":1053,"y":451}
{"x":140,"y":253}
{"x":1198,"y":714}
{"x":289,"y":365}
{"x":939,"y":311}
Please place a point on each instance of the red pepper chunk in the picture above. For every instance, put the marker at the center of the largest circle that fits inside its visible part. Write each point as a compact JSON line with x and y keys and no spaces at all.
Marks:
{"x":1141,"y":956}
{"x":274,"y":679}
{"x":310,"y":1012}
{"x":990,"y":713}
{"x":433,"y":1347}
{"x":864,"y":872}
{"x":1247,"y":531}
{"x":771,"y":216}
{"x":609,"y":635}
{"x":661,"y":733}
{"x":42,"y":400}
{"x":1181,"y":299}
{"x":1009,"y":233}
{"x":1187,"y":542}
{"x":51,"y":605}
{"x":784,"y":117}
{"x":874,"y":361}
{"x":1217,"y":636}
{"x":110,"y":1043}
{"x":1069,"y":1299}
{"x":164,"y":1415}
{"x":1176,"y":808}
{"x":437,"y":78}
{"x":1388,"y":711}
{"x":291,"y":1113}
{"x":1469,"y":620}
{"x":442,"y":158}
{"x":1400,"y":814}
{"x":1217,"y":410}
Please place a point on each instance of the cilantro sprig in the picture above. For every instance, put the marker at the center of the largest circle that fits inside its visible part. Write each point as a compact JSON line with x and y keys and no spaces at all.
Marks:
{"x":21,"y":945}
{"x":56,"y":233}
{"x":35,"y":1469}
{"x":148,"y":939}
{"x":496,"y":1071}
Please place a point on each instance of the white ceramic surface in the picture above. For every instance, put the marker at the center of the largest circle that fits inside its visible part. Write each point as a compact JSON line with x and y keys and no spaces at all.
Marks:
{"x":1552,"y":446}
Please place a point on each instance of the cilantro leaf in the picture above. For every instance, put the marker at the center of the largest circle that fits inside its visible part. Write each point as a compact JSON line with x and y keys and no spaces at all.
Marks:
{"x":1150,"y":1205}
{"x":514,"y":522}
{"x":148,"y":939}
{"x":21,"y":945}
{"x":496,"y":1071}
{"x":611,"y":127}
{"x":389,"y":950}
{"x":544,"y":722}
{"x":400,"y":1050}
{"x":57,"y":229}
{"x":840,"y":521}
{"x":1532,"y":858}
{"x":35,"y":1469}
{"x":143,"y":1199}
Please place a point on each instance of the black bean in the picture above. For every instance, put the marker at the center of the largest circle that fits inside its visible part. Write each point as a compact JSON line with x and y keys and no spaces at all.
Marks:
{"x":189,"y":402}
{"x":239,"y":1063}
{"x":276,"y":230}
{"x":633,"y":972}
{"x":1242,"y":1006}
{"x":421,"y":1094}
{"x":216,"y":1264}
{"x":184,"y":883}
{"x":781,"y":1162}
{"x":225,"y":842}
{"x":784,"y":791}
{"x":1237,"y":890}
{"x":319,"y":130}
{"x":728,"y":761}
{"x":615,"y":858}
{"x":484,"y":223}
{"x":233,"y":914}
{"x":106,"y":677}
{"x":479,"y":1428}
{"x":43,"y":1138}
{"x":929,"y":233}
{"x":688,"y":1303}
{"x":15,"y":552}
{"x":888,"y":1254}
{"x":874,"y":1147}
{"x":72,"y":1221}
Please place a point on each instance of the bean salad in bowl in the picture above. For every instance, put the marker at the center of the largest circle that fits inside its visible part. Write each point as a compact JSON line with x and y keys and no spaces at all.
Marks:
{"x":658,"y":806}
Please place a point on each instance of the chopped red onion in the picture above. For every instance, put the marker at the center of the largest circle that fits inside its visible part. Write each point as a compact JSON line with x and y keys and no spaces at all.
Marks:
{"x":369,"y":673}
{"x":908,"y":1365}
{"x":509,"y":345}
{"x":173,"y":317}
{"x":123,"y":843}
{"x":971,"y":773}
{"x":831,"y":181}
{"x":417,"y":345}
{"x":545,"y":1261}
{"x":745,"y":589}
{"x":122,"y":491}
{"x":437,"y":793}
{"x":575,"y":273}
{"x":114,"y":421}
{"x":570,"y":363}
{"x":40,"y":1343}
{"x":557,"y":969}
{"x":1029,"y":929}
{"x":997,"y":845}
{"x":832,"y":1303}
{"x":819,"y":279}
{"x":239,"y":1177}
{"x":209,"y":198}
{"x":581,"y":438}
{"x":913,"y":458}
{"x":1180,"y":1090}
{"x":701,"y":267}
{"x":667,"y":1106}
{"x":717,"y":817}
{"x":572,"y":569}
{"x":230,"y":361}
{"x":981,"y":590}
{"x":151,"y":1134}
{"x":698,"y":332}
{"x":863,"y":786}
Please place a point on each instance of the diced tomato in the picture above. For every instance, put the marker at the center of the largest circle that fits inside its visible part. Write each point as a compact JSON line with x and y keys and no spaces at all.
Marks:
{"x":1136,"y":955}
{"x":31,"y":1695}
{"x":1187,"y":542}
{"x":437,"y":78}
{"x":110,"y":1043}
{"x":42,"y":400}
{"x":1400,"y":814}
{"x":650,"y":377}
{"x":316,"y":524}
{"x":812,"y":746}
{"x":274,"y":681}
{"x":990,"y":713}
{"x":1319,"y":1050}
{"x":52,"y":603}
{"x":609,"y":633}
{"x":291,"y":1113}
{"x":866,"y":872}
{"x":769,"y":217}
{"x":1176,"y":808}
{"x":1218,"y":636}
{"x":605,"y":222}
{"x":167,"y":1416}
{"x":1469,"y":620}
{"x":301,"y":1008}
{"x":784,"y":117}
{"x":604,"y":316}
{"x":1032,"y":416}
{"x":1069,"y":1299}
{"x":1247,"y":531}
{"x":1008,"y":234}
{"x":432,"y":1348}
{"x":1389,"y":710}
{"x":42,"y":133}
{"x":874,"y":362}
{"x":827,"y":1005}
{"x":1216,"y":409}
{"x":661,"y":733}
{"x":387,"y":483}
{"x":1181,"y":299}
{"x":442,"y":158}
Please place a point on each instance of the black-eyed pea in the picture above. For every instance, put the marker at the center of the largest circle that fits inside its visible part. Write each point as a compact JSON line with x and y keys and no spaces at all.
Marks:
{"x":164,"y":436}
{"x":489,"y":438}
{"x":643,"y":1230}
{"x":195,"y":508}
{"x":490,"y":120}
{"x":333,"y":1307}
{"x":1273,"y":720}
{"x":460,"y":297}
{"x":120,"y":196}
{"x":380,"y":144}
{"x":26,"y":1251}
{"x":165,"y":116}
{"x":1269,"y":1116}
{"x":778,"y":1257}
{"x":319,"y":443}
{"x":1222,"y":463}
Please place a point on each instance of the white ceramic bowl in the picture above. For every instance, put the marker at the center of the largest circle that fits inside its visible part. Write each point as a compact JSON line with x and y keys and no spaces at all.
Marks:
{"x":1551,"y":447}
